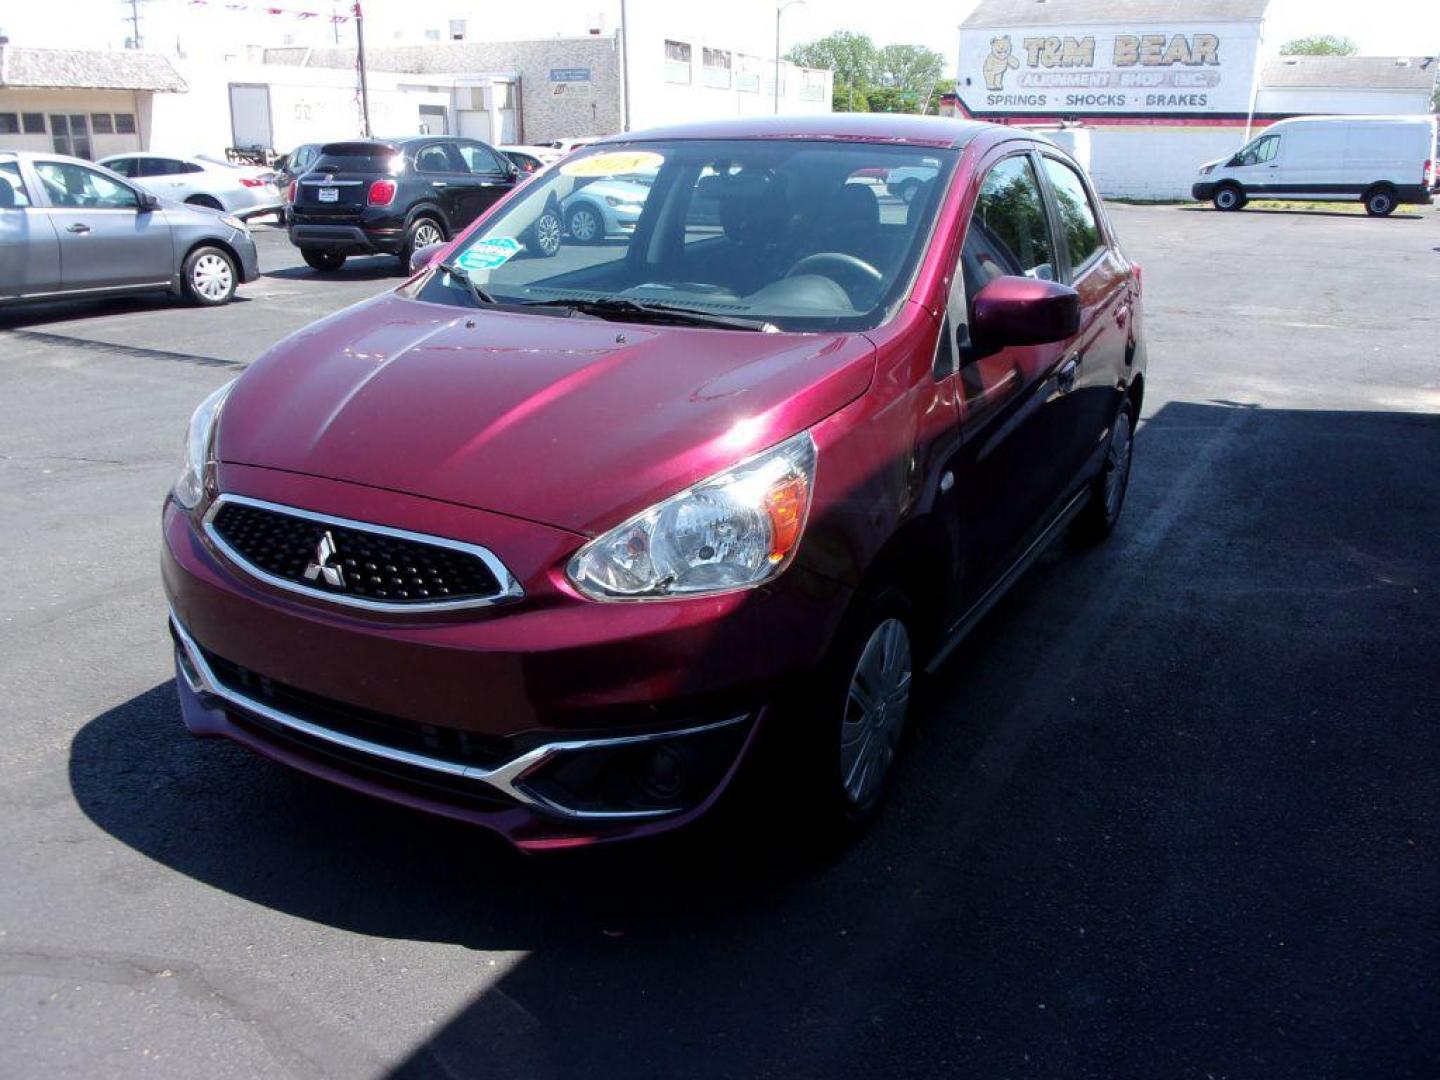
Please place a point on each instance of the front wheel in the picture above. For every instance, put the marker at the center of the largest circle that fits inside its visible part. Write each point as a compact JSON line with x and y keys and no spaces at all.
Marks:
{"x":849,"y":723}
{"x":1107,"y":494}
{"x":209,"y":277}
{"x":584,"y":224}
{"x":1228,"y":197}
{"x":422,"y":233}
{"x":1380,"y":202}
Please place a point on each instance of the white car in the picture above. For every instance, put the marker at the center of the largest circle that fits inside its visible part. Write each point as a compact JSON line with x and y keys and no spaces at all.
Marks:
{"x":242,"y":190}
{"x":566,"y":146}
{"x":605,"y":208}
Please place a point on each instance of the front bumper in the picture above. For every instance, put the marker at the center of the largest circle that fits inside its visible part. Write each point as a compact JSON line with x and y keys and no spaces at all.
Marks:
{"x":496,"y":704}
{"x":1203,"y":190}
{"x":249,"y":257}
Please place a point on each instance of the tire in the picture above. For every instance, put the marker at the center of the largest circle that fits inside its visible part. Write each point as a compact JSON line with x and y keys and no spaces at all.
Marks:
{"x":585,"y":224}
{"x":544,"y":235}
{"x":1380,"y":202}
{"x":325,"y":261}
{"x":1107,"y":493}
{"x":205,"y":201}
{"x":1228,"y":197}
{"x":841,"y":761}
{"x":209,"y":277}
{"x":423,"y":232}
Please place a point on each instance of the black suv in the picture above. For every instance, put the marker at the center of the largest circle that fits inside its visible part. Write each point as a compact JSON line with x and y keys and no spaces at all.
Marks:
{"x":393,"y":196}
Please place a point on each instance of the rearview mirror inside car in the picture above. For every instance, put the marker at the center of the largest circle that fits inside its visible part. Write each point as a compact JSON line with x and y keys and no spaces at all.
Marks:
{"x":1023,"y":311}
{"x":422,"y":257}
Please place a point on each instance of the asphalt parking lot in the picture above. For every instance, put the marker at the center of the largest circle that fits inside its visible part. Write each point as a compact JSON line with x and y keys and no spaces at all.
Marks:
{"x":1170,"y":812}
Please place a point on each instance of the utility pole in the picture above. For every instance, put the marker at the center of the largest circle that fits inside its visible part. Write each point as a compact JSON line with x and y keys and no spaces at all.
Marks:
{"x":360,"y":64}
{"x":624,"y":69}
{"x":780,"y":10}
{"x":135,"y":42}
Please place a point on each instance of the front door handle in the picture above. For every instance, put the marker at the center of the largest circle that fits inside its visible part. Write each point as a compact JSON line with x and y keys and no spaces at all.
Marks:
{"x":1065,"y":377}
{"x":77,"y":228}
{"x":438,"y":183}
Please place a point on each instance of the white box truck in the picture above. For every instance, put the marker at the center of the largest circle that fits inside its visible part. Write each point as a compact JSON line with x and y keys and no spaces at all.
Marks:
{"x":1383,"y":161}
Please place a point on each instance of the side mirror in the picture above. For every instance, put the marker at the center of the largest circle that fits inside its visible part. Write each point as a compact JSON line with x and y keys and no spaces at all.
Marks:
{"x":147,"y":202}
{"x":420,"y":258}
{"x":1023,"y":311}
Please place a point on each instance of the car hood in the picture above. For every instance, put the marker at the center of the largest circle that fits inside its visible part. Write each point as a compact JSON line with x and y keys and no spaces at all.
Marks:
{"x":573,"y":422}
{"x":1212,"y":164}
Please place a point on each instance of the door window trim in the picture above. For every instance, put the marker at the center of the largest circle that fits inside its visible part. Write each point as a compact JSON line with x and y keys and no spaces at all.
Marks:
{"x":1057,"y":225}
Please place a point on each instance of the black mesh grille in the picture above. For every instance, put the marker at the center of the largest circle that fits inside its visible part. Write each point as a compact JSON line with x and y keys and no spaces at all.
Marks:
{"x":352,"y":562}
{"x":450,"y":744}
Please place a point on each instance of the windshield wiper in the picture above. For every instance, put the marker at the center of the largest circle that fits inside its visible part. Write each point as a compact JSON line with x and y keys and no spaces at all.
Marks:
{"x":625,"y":309}
{"x":459,"y":273}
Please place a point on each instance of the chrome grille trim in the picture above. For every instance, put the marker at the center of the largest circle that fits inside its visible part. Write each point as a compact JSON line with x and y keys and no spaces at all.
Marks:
{"x":201,"y":679}
{"x":509,"y":588}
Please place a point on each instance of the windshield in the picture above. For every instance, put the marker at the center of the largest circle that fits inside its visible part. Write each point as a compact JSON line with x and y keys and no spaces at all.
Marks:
{"x":789,"y":234}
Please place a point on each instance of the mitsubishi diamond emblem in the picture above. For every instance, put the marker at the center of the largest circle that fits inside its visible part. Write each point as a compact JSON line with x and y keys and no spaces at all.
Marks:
{"x":321,"y":568}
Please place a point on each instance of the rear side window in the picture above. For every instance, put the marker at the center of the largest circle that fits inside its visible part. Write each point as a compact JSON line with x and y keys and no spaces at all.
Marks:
{"x":436,"y":158}
{"x":10,"y":179}
{"x":1078,"y":222}
{"x":123,"y":166}
{"x":1009,"y":234}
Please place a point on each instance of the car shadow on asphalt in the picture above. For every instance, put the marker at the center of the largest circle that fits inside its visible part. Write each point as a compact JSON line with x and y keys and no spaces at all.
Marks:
{"x":1171,"y":790}
{"x":367,"y":269}
{"x":39,"y":314}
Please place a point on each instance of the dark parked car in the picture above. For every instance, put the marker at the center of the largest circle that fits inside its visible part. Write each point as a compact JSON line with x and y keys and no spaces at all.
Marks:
{"x":375,"y":197}
{"x":72,"y":228}
{"x":557,"y":545}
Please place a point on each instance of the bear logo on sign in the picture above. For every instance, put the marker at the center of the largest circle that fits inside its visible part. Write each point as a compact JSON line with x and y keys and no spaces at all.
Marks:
{"x":998,"y":62}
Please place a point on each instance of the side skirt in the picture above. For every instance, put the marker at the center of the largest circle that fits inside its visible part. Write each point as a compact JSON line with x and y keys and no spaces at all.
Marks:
{"x":967,"y":622}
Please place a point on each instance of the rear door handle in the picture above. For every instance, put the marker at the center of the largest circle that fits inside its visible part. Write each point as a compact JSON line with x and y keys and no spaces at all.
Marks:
{"x":438,"y":183}
{"x":77,"y":228}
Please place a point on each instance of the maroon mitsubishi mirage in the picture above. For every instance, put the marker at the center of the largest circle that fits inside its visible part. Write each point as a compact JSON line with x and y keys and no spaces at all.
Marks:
{"x":561,"y":534}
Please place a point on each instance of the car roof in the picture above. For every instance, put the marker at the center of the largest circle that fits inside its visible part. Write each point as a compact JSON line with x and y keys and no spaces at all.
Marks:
{"x":896,"y":128}
{"x":45,"y":155}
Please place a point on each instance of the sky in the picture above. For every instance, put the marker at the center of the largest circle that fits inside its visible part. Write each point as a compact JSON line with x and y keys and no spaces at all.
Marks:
{"x":1382,"y":27}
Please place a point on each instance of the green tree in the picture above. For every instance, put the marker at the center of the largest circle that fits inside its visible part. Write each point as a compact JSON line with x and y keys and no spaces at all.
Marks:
{"x":891,"y":99}
{"x":909,"y":67}
{"x":852,"y":57}
{"x":1319,"y":45}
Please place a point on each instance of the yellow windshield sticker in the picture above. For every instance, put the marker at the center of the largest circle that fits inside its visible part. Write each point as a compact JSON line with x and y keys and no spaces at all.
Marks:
{"x":614,"y":163}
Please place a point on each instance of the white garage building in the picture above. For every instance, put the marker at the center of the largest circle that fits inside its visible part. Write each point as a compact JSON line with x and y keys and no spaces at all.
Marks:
{"x":1161,"y":86}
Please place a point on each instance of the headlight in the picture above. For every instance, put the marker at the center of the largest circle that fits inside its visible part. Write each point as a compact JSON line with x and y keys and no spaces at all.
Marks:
{"x":234,"y":222}
{"x":199,"y":447}
{"x":733,"y":531}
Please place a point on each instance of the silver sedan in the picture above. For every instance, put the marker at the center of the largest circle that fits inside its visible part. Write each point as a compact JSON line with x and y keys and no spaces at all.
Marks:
{"x":69,"y":227}
{"x":243,"y":190}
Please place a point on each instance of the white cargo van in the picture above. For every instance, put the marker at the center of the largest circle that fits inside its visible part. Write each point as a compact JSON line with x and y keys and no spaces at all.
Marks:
{"x":1381,"y":160}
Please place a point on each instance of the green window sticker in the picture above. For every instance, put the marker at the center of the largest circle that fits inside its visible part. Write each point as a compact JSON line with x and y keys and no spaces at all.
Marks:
{"x":488,"y":254}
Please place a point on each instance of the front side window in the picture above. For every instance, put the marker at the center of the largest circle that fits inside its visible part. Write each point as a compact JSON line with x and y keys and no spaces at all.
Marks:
{"x":1009,"y":234}
{"x":10,"y":179}
{"x":1259,"y":152}
{"x":480,"y":160}
{"x":82,"y":188}
{"x":795,"y":234}
{"x":1078,"y":220}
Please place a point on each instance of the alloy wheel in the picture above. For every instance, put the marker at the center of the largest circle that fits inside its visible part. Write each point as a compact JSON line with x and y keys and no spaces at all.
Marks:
{"x":1117,"y":465}
{"x":875,"y":709}
{"x":547,"y":234}
{"x":212,"y":277}
{"x":583,"y":225}
{"x":426,"y":234}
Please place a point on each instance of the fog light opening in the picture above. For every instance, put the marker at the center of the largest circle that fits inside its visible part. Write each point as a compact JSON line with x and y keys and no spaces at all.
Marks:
{"x":663,"y":774}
